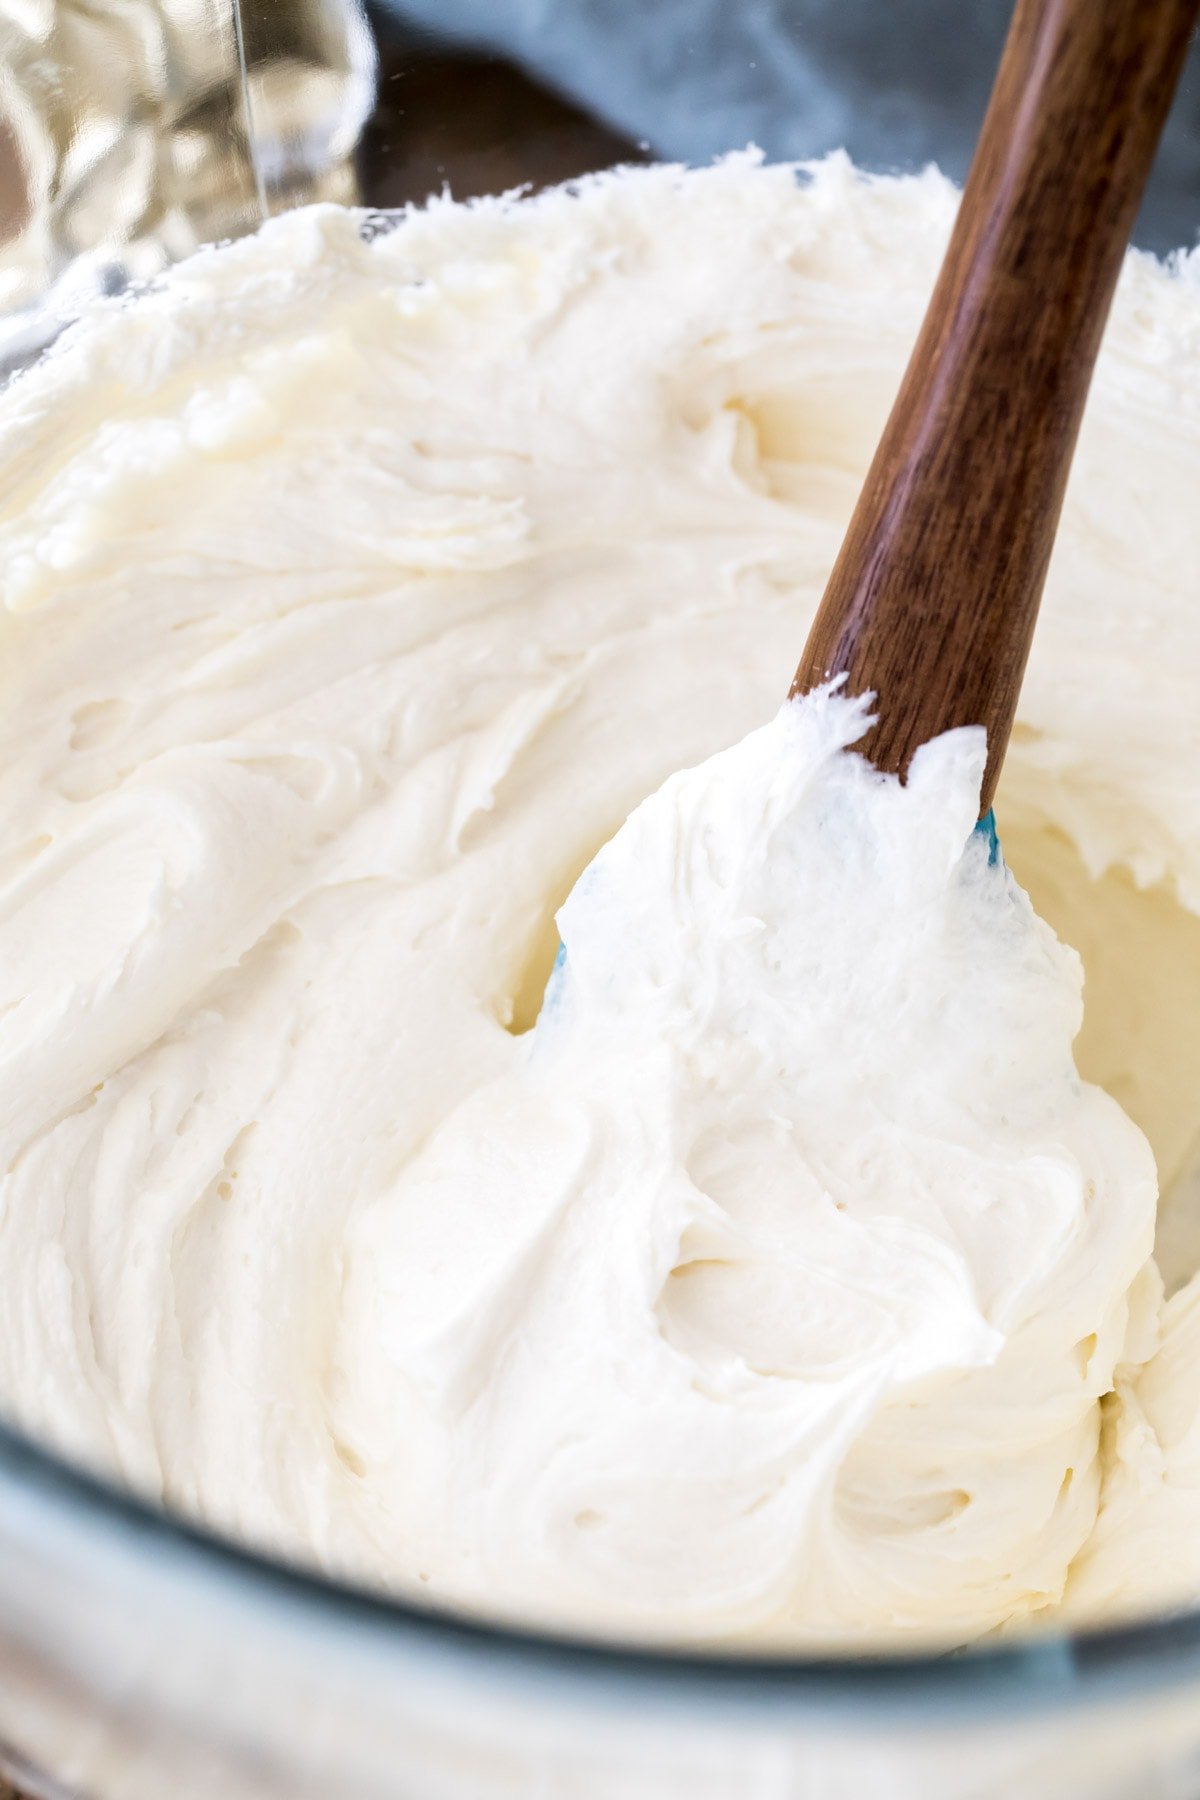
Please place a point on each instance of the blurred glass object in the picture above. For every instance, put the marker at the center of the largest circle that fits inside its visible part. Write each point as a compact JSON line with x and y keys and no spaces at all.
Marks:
{"x":133,"y":130}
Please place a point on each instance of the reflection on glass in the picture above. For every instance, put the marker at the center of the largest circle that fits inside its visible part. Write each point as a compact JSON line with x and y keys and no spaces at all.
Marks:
{"x":133,"y":130}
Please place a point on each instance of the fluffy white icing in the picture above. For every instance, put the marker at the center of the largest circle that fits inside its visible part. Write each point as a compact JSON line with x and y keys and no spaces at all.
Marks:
{"x":1145,"y":1549}
{"x":358,"y":589}
{"x":777,"y":1289}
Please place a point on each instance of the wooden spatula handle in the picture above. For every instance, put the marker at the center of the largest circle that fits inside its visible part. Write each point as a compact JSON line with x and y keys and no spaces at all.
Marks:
{"x":933,"y":597}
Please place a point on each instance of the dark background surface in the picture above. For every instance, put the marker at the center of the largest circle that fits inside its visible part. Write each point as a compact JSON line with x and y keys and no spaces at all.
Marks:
{"x":484,"y":94}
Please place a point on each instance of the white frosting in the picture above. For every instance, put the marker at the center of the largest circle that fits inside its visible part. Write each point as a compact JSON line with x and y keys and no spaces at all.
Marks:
{"x":777,"y":1289}
{"x":358,"y":591}
{"x":1144,"y":1551}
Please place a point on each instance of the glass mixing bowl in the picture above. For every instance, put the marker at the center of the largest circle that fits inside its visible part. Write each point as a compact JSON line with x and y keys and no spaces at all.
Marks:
{"x":142,"y":1658}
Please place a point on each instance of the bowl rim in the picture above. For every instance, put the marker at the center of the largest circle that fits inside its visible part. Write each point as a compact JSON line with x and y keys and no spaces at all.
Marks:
{"x":1044,"y":1671}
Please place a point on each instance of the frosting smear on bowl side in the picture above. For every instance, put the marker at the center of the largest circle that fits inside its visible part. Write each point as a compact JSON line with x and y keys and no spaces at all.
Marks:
{"x":379,"y":606}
